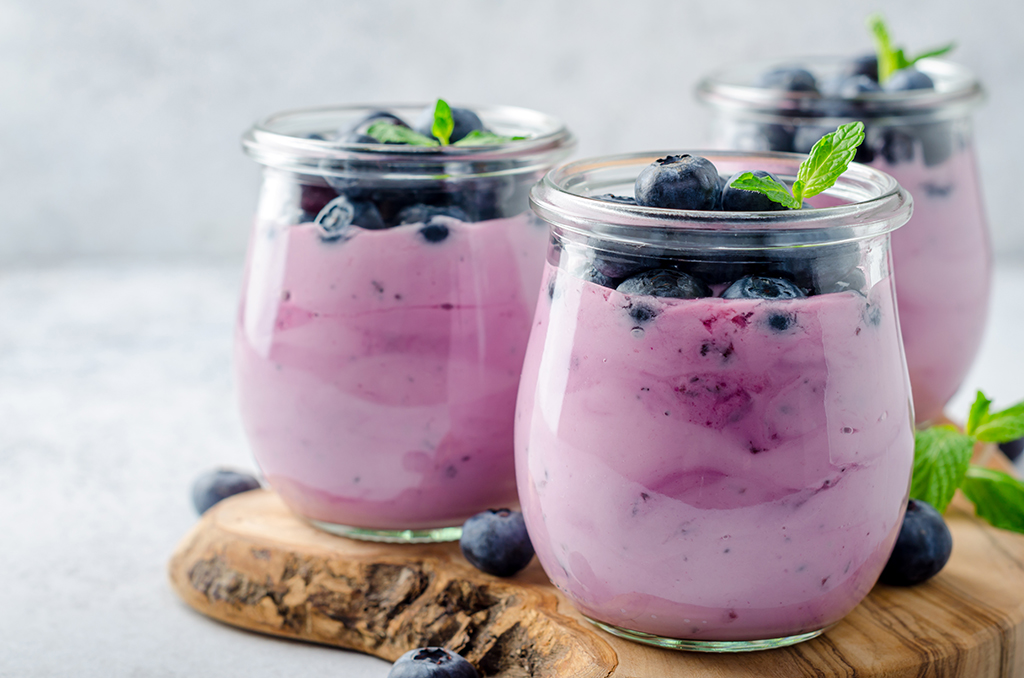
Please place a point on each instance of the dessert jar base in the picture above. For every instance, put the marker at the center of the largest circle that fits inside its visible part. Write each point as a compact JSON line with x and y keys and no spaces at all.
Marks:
{"x":691,"y":645}
{"x":423,"y":536}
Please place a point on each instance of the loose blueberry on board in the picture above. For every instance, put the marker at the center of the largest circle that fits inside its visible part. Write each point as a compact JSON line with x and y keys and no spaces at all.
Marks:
{"x":922,"y":547}
{"x":432,"y":662}
{"x":496,"y":542}
{"x":684,"y":182}
{"x":739,"y":200}
{"x":212,"y":486}
{"x":465,"y":122}
{"x":788,"y":79}
{"x":907,"y":79}
{"x":664,"y":282}
{"x":1013,"y":448}
{"x":421,"y":214}
{"x":761,"y":287}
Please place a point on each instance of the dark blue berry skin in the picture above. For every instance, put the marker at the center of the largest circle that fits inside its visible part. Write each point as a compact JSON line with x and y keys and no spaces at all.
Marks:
{"x":212,"y":486}
{"x":621,"y":199}
{"x":1012,"y":449}
{"x":863,"y":65}
{"x":739,"y":200}
{"x":432,"y":662}
{"x":683,"y":182}
{"x":788,"y":79}
{"x":314,"y":198}
{"x":357,"y":133}
{"x":421,"y":214}
{"x":465,"y":122}
{"x":855,"y":85}
{"x":760,"y":287}
{"x":434,"y":232}
{"x":907,"y":79}
{"x":496,"y":542}
{"x":337,"y":219}
{"x":664,"y":282}
{"x":922,"y":547}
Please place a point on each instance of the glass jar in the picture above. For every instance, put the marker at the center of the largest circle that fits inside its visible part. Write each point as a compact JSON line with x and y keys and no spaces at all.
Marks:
{"x":385,"y":311}
{"x":715,"y":473}
{"x":923,"y":139}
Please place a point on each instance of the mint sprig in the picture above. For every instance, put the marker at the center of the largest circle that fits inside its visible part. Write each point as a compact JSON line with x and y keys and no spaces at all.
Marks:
{"x":479,"y":137}
{"x":892,"y":59}
{"x":389,"y":133}
{"x":942,"y":457}
{"x":829,"y":158}
{"x":444,"y":122}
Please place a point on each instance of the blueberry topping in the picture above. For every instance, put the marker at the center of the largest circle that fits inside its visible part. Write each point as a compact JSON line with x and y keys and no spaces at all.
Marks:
{"x":434,"y":231}
{"x":496,"y":542}
{"x":907,"y":79}
{"x":866,"y":65}
{"x":922,"y":547}
{"x":684,"y":182}
{"x":212,"y":486}
{"x":432,"y":662}
{"x":739,"y":200}
{"x":622,"y":199}
{"x":760,"y":287}
{"x":855,"y":85}
{"x":664,"y":282}
{"x":465,"y":122}
{"x":421,"y":214}
{"x":1012,"y":449}
{"x":788,"y":79}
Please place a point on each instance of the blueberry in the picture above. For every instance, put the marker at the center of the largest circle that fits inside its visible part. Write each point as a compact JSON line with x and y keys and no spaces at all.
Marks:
{"x":922,"y":547}
{"x":496,"y":542}
{"x":357,"y":133}
{"x":621,"y":199}
{"x":685,"y":182}
{"x":866,"y":65}
{"x":465,"y":122}
{"x":434,"y":231}
{"x":907,"y":79}
{"x":367,"y":216}
{"x":421,"y":214}
{"x":739,"y":200}
{"x":212,"y":486}
{"x":761,"y":287}
{"x":664,"y":282}
{"x":315,"y":198}
{"x":338,"y":217}
{"x":432,"y":662}
{"x":897,"y":146}
{"x":1013,"y":448}
{"x":788,"y":79}
{"x":855,"y":85}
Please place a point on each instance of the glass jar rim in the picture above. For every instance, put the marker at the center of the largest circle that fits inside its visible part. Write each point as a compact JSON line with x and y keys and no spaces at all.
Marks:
{"x":283,"y":141}
{"x":873,"y":204}
{"x":957,"y":92}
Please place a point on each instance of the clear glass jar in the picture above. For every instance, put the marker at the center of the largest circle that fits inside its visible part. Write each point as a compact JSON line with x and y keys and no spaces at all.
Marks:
{"x":922,"y":138}
{"x":719,"y":474}
{"x":377,"y":364}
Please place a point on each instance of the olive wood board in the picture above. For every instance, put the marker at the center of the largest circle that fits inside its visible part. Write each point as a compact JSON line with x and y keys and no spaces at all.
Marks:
{"x":251,"y":563}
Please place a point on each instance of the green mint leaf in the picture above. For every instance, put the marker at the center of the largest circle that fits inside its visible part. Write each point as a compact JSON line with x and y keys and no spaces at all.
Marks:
{"x":388,"y":133}
{"x":997,"y":497}
{"x":941,"y":457}
{"x":937,"y":52}
{"x":887,"y":57}
{"x":979,"y":412}
{"x":828,"y":160}
{"x":444,"y":123}
{"x":775,"y":191}
{"x":1002,"y":427}
{"x":479,"y":137}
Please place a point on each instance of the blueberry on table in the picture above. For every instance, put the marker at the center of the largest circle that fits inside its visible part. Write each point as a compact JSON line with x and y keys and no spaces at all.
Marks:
{"x":739,"y":200}
{"x":1012,"y":449}
{"x":761,"y":287}
{"x":212,"y":486}
{"x":432,"y":662}
{"x":788,"y":79}
{"x":465,"y":121}
{"x":665,"y":282}
{"x":907,"y":79}
{"x":683,"y":182}
{"x":922,"y":547}
{"x":496,"y":542}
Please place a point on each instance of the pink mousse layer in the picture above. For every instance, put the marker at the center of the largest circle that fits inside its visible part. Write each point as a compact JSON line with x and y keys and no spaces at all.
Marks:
{"x":704,"y":475}
{"x":378,"y":375}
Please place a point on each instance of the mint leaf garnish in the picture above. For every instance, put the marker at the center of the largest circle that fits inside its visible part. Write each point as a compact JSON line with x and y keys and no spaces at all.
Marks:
{"x":819,"y":172}
{"x":388,"y":133}
{"x":979,"y":410}
{"x":937,"y":52}
{"x":892,"y":59}
{"x":997,"y":497}
{"x":444,"y":123}
{"x":941,"y":457}
{"x":479,"y":137}
{"x":1002,"y":427}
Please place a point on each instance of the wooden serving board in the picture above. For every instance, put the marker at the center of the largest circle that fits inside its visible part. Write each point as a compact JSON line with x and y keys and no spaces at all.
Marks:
{"x":251,"y":563}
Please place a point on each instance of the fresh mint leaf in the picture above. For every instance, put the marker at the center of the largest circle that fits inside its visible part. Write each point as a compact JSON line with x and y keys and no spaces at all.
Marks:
{"x":997,"y":497}
{"x":888,"y":59}
{"x":1003,"y":426}
{"x":979,"y":412}
{"x":828,"y":160}
{"x":479,"y":137}
{"x":941,"y":457}
{"x":937,"y":52}
{"x":775,"y":191}
{"x":388,"y":133}
{"x":444,"y":122}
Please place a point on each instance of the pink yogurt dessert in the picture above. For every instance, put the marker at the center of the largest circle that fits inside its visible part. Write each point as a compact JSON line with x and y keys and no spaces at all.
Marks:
{"x":713,"y":473}
{"x":385,"y":312}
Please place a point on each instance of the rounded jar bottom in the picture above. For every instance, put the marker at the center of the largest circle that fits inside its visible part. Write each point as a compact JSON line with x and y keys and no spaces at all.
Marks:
{"x":690,"y":645}
{"x":423,"y":536}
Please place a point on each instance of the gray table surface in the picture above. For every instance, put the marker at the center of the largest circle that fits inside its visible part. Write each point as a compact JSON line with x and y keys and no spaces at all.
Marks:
{"x":115,"y":392}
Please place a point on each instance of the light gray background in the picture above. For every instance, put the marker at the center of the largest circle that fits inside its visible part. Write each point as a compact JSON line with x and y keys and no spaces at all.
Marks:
{"x":120,"y":119}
